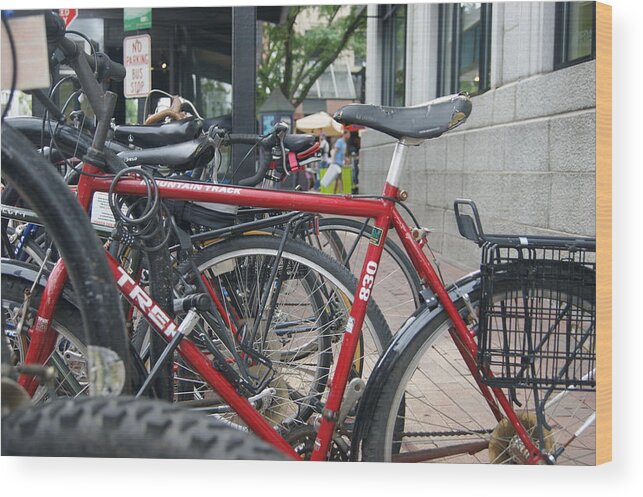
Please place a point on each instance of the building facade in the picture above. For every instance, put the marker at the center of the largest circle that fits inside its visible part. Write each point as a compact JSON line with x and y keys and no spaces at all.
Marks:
{"x":526,"y":155}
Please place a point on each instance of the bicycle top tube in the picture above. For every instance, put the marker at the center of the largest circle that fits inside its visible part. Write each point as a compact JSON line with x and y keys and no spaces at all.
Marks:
{"x":346,"y":205}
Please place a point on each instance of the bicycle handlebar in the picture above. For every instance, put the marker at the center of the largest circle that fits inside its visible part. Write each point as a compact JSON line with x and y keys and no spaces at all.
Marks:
{"x":258,"y":176}
{"x":104,"y":67}
{"x":267,"y":142}
{"x":101,"y":101}
{"x":109,"y":69}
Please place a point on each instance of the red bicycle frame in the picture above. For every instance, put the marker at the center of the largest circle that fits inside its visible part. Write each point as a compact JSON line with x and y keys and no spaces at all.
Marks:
{"x":384,"y":212}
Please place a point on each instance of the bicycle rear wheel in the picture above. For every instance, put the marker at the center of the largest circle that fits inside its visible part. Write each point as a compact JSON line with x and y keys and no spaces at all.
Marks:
{"x":430,"y":408}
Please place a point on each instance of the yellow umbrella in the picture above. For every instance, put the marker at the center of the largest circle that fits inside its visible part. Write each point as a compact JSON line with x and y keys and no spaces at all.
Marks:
{"x":316,"y":123}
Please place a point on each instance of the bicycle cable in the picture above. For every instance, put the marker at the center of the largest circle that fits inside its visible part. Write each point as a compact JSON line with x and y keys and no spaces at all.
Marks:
{"x":236,"y":169}
{"x":415,"y":221}
{"x":392,"y":199}
{"x":154,"y":90}
{"x":91,"y":46}
{"x":52,"y":132}
{"x":45,"y":115}
{"x":14,"y":62}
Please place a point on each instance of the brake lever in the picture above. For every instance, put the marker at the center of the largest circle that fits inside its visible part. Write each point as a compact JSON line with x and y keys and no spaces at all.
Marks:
{"x":281,"y":130}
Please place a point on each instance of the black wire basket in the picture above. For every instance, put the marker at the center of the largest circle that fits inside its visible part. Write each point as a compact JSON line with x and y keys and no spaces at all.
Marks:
{"x":537,"y":317}
{"x":537,"y":324}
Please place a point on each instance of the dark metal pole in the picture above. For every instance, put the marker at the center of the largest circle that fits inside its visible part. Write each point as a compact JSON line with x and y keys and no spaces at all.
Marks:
{"x":244,"y":86}
{"x":172,"y":62}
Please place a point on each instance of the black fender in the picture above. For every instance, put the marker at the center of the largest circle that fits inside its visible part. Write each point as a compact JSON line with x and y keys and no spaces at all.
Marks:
{"x":414,"y":325}
{"x":29,"y":272}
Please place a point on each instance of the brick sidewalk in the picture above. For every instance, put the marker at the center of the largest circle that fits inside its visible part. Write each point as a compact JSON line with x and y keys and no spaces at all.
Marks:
{"x":392,"y":295}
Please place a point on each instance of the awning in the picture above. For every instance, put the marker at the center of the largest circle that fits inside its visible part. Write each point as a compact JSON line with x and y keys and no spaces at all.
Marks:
{"x":316,"y":123}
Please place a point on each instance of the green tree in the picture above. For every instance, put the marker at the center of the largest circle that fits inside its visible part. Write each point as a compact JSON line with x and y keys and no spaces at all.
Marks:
{"x":292,"y":61}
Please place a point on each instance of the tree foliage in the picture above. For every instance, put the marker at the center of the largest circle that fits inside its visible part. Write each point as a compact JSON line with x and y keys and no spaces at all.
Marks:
{"x":292,"y":61}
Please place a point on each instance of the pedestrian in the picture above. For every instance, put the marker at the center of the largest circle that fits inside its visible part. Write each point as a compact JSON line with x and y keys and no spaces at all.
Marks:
{"x":338,"y":160}
{"x":324,"y":148}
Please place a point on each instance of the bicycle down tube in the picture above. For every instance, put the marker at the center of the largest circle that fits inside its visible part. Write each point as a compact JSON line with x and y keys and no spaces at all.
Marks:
{"x":384,"y":212}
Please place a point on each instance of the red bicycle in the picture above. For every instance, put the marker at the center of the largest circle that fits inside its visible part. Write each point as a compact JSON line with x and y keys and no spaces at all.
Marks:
{"x":388,"y":422}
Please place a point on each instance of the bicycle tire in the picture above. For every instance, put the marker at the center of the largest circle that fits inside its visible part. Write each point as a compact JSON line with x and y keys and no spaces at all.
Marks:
{"x":73,"y":235}
{"x":246,"y":248}
{"x":443,"y":406}
{"x":125,"y":428}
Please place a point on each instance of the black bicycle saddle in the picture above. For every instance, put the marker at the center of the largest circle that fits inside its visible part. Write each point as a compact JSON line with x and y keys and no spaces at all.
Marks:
{"x":422,"y":122}
{"x":158,"y":135}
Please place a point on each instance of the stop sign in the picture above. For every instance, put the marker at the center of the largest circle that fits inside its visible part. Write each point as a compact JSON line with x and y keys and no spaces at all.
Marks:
{"x":68,"y":15}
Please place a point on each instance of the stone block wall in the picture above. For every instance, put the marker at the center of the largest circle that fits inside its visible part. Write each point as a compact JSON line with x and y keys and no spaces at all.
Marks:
{"x":526,"y":155}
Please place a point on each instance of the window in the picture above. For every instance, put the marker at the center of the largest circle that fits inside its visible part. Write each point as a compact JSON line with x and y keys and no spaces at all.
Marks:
{"x":393,"y":18}
{"x":575,"y":39}
{"x":464,"y":45}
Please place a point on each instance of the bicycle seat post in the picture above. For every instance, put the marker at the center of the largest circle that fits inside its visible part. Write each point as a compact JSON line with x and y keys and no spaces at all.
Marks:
{"x":397,"y":161}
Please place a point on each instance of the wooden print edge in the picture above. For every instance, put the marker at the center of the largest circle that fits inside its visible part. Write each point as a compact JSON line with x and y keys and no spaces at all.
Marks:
{"x":604,"y":232}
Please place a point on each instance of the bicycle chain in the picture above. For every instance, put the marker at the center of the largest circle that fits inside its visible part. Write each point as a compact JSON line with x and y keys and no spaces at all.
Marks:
{"x":457,"y":433}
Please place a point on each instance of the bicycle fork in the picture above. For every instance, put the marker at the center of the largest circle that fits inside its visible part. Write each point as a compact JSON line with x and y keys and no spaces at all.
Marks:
{"x":43,"y":337}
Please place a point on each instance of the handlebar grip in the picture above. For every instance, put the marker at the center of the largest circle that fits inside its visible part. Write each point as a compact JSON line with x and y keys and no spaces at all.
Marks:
{"x":55,"y":28}
{"x":105,"y":67}
{"x":108,"y":69}
{"x":248,"y":139}
{"x":244,"y":139}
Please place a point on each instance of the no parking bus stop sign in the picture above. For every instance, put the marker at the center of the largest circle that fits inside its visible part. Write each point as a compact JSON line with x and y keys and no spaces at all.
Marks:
{"x":137,"y":56}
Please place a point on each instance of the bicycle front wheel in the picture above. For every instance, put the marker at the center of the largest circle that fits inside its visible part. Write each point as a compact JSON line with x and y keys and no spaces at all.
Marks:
{"x":430,"y":408}
{"x":69,"y":357}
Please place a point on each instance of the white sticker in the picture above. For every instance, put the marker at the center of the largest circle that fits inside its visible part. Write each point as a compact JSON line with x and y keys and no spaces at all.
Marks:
{"x":349,"y":325}
{"x":101,"y":213}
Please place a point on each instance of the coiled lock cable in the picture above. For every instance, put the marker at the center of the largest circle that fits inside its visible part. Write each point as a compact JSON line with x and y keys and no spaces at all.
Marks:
{"x":143,"y":218}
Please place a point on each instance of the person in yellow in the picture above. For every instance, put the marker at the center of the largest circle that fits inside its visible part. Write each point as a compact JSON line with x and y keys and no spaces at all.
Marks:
{"x":338,"y":158}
